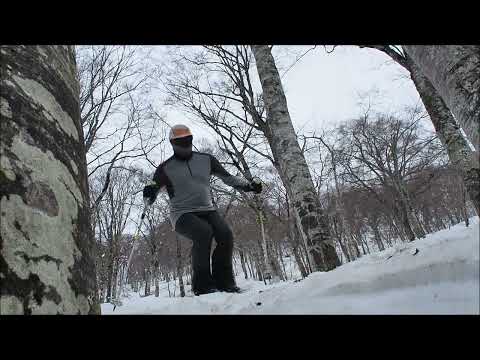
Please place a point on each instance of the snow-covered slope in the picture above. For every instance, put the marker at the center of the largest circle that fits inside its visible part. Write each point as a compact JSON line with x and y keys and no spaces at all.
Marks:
{"x":441,"y":277}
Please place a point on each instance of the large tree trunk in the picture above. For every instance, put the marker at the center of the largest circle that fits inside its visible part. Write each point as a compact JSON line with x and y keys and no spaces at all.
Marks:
{"x":454,"y":71}
{"x":461,"y":156}
{"x":291,"y":164}
{"x":46,"y":262}
{"x":406,"y":203}
{"x":401,"y":217}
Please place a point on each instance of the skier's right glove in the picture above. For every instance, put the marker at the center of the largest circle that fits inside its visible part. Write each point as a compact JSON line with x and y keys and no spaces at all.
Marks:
{"x":256,"y":186}
{"x":150,"y":193}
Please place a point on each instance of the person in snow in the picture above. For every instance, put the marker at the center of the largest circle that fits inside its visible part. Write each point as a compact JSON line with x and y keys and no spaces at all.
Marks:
{"x":186,"y":177}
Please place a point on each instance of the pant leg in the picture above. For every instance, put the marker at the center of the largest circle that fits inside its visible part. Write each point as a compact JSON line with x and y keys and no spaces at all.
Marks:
{"x":200,"y":232}
{"x":222,"y":268}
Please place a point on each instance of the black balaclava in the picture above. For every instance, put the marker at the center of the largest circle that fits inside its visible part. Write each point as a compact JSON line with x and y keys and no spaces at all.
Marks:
{"x":182,"y":147}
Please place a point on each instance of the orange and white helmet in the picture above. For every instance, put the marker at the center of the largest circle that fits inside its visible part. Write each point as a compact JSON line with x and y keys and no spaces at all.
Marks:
{"x":179,"y":131}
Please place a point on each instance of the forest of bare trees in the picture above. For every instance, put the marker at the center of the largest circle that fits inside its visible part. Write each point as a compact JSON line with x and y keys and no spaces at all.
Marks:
{"x":330,"y":196}
{"x":379,"y":179}
{"x":387,"y":181}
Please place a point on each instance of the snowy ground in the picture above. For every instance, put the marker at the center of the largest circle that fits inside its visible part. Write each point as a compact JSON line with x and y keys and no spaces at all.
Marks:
{"x":442,"y":278}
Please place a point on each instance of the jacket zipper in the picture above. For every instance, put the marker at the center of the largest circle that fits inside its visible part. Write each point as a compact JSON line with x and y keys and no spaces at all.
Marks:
{"x":189,"y":169}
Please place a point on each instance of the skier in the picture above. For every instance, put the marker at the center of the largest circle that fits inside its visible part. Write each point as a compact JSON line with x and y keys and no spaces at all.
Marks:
{"x":186,"y":176}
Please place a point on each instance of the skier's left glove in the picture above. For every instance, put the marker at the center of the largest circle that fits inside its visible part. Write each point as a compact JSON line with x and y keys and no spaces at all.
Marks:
{"x":150,"y":193}
{"x":256,"y":186}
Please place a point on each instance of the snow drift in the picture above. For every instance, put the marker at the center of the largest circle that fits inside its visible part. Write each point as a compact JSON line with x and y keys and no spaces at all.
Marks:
{"x":435,"y":275}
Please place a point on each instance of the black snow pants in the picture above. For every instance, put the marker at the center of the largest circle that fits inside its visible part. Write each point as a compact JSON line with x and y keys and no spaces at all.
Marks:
{"x":201,"y":227}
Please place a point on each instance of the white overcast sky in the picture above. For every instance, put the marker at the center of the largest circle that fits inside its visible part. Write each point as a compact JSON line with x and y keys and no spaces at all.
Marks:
{"x":323,"y":89}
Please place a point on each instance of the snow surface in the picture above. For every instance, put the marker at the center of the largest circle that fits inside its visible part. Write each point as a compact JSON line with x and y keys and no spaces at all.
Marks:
{"x":442,"y":278}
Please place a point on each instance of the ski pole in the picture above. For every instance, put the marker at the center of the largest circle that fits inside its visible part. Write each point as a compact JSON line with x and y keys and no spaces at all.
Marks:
{"x":260,"y":221}
{"x":135,"y":236}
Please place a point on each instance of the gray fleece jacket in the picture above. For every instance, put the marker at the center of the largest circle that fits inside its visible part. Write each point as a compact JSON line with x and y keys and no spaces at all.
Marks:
{"x":188,"y":183}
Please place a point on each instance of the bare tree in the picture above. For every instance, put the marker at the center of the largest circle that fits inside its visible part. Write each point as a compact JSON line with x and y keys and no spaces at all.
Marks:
{"x":447,"y":129}
{"x":390,"y":152}
{"x":113,"y":214}
{"x":293,"y":236}
{"x":118,"y":121}
{"x":154,"y":219}
{"x":46,"y":263}
{"x":107,"y":75}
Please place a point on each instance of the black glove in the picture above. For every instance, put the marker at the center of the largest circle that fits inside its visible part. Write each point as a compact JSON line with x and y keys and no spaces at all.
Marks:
{"x":256,"y":186}
{"x":150,"y":193}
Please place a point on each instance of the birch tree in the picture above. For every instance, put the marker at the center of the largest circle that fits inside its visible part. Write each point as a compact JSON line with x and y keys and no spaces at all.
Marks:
{"x":454,"y":71}
{"x":46,"y":262}
{"x":291,"y":164}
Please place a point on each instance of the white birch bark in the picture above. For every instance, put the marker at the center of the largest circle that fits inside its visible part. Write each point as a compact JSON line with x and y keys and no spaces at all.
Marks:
{"x":461,"y":156}
{"x":454,"y":71}
{"x":292,"y":166}
{"x":46,"y":262}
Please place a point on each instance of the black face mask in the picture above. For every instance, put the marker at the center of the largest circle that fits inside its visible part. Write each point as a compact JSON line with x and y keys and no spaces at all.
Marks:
{"x":182,"y":147}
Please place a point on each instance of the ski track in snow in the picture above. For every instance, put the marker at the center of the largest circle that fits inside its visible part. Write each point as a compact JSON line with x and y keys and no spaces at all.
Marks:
{"x":442,"y":278}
